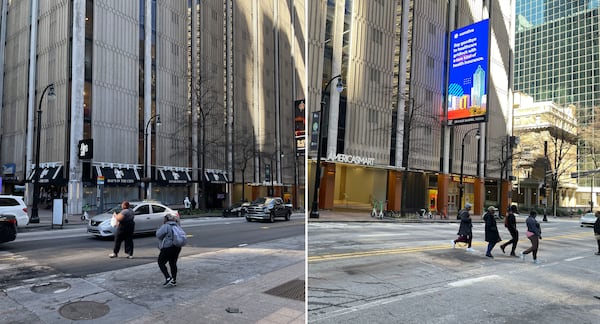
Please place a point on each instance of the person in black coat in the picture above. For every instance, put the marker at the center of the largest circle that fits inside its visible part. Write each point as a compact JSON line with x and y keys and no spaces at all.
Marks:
{"x":465,"y":230}
{"x":491,"y":230}
{"x":510,"y":222}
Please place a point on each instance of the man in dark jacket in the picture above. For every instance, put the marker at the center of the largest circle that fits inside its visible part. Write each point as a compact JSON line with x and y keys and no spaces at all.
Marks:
{"x":124,"y":231}
{"x":465,"y":230}
{"x":491,"y":231}
{"x":510,"y":222}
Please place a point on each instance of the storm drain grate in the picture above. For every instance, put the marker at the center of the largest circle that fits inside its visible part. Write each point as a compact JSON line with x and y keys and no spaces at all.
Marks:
{"x":293,"y":289}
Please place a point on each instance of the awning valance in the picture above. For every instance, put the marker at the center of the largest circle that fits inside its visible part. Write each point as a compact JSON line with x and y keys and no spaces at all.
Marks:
{"x":216,"y":176}
{"x":117,"y":175}
{"x":48,"y":175}
{"x":170,"y":176}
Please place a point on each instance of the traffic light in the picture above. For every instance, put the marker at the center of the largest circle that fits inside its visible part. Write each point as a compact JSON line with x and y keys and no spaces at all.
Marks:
{"x":543,"y":190}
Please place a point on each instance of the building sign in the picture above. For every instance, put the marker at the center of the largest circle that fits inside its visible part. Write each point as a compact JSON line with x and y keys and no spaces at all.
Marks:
{"x":468,"y":74}
{"x":314,"y":130}
{"x":86,"y":149}
{"x":300,"y":127}
{"x":352,"y":159}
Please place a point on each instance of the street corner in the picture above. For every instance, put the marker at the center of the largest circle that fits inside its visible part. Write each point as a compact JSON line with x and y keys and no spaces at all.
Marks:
{"x":56,"y":300}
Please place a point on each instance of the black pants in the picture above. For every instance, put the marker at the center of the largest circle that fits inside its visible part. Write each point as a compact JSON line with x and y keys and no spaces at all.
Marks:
{"x":169,"y":254}
{"x":124,"y":233}
{"x":514,"y":239}
{"x":534,"y":246}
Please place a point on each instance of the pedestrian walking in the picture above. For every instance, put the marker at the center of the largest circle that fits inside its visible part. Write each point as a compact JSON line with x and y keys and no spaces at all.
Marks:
{"x":597,"y":231}
{"x":510,"y":222}
{"x":187,"y":204}
{"x":168,"y":251}
{"x":534,"y":234}
{"x":465,"y":230}
{"x":124,"y":230}
{"x":491,"y":230}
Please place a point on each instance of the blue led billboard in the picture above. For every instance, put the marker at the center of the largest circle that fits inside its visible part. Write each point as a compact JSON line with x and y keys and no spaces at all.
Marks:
{"x":468,"y":74}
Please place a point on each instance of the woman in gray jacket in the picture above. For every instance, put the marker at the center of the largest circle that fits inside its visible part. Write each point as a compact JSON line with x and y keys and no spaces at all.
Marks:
{"x":168,"y":251}
{"x":534,"y":234}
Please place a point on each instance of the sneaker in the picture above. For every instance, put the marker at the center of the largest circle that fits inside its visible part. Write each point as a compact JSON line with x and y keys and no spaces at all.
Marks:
{"x":173,"y":283}
{"x":536,"y":262}
{"x":502,"y":247}
{"x":453,"y":244}
{"x":470,"y":250}
{"x":489,"y":256}
{"x":522,"y":256}
{"x":168,"y":281}
{"x":130,"y":256}
{"x":112,"y":255}
{"x":512,"y":254}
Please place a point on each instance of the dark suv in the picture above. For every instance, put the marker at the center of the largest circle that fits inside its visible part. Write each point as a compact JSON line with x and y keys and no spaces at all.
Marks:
{"x":8,"y":228}
{"x":268,"y":208}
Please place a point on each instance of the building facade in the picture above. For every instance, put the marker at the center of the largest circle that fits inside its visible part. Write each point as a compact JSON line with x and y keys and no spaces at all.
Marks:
{"x":121,"y":75}
{"x":556,"y":59}
{"x":385,"y":136}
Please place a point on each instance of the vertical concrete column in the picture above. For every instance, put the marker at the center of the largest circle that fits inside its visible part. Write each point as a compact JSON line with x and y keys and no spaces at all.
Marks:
{"x":31,"y":94}
{"x":479,"y":196}
{"x":75,"y":194}
{"x":394,"y":191}
{"x":504,"y":200}
{"x":148,"y":90}
{"x":442,"y":198}
{"x":326,"y":191}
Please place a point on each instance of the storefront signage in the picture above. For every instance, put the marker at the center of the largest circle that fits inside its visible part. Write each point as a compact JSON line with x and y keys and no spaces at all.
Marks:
{"x":352,"y":159}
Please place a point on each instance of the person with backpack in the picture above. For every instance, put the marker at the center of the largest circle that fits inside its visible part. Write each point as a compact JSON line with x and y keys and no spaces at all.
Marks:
{"x":171,"y":238}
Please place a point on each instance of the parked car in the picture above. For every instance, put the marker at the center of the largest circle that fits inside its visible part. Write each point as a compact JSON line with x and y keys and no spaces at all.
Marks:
{"x":587,"y":219}
{"x":15,"y":206}
{"x":8,"y":228}
{"x":149,"y":216}
{"x":268,"y":208}
{"x":236,"y":209}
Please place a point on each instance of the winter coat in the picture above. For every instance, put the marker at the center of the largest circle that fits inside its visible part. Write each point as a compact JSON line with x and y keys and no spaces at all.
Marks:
{"x":466,"y":226}
{"x":491,"y":229}
{"x":597,"y":226}
{"x":165,"y":235}
{"x":533,"y":226}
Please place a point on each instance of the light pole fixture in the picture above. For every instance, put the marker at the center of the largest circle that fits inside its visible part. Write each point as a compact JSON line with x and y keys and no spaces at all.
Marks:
{"x":35,"y":218}
{"x":461,"y":186}
{"x":314,"y":212}
{"x":148,"y":157}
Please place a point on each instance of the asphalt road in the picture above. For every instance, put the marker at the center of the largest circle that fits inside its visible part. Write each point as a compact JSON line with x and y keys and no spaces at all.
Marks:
{"x":73,"y":252}
{"x":409,"y":273}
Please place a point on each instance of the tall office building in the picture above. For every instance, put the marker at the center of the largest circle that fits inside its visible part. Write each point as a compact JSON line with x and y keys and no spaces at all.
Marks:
{"x":122,"y":79}
{"x":387,"y":126}
{"x":557,"y":59}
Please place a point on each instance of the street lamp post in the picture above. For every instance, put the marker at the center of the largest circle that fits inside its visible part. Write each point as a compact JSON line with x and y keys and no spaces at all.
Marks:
{"x":147,"y":156}
{"x":314,"y":212}
{"x":35,"y":218}
{"x":462,"y":162}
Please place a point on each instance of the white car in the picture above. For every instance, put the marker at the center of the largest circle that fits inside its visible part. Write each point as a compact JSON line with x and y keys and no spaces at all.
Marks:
{"x":15,"y":206}
{"x":149,"y":216}
{"x":588,"y":219}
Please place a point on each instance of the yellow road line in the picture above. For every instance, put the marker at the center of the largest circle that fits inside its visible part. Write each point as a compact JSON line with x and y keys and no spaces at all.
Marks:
{"x":404,"y":250}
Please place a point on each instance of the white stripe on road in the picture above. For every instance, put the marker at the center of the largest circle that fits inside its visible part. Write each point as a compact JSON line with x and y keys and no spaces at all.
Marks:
{"x":467,"y":282}
{"x":573,"y":259}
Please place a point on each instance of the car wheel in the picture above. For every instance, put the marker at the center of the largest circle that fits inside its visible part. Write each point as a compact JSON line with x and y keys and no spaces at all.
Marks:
{"x":272,"y":217}
{"x":248,"y":219}
{"x":287,"y":216}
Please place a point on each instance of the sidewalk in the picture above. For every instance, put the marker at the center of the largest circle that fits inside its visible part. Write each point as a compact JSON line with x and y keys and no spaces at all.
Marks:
{"x":348,"y":215}
{"x":231,"y":285}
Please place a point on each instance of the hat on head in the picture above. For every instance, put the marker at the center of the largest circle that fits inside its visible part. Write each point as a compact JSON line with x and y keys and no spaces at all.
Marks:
{"x":532,"y":213}
{"x":513,"y":208}
{"x":170,"y":217}
{"x":468,"y":205}
{"x":492,"y":208}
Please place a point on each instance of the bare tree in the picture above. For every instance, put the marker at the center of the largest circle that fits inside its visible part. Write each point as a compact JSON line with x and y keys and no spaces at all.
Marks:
{"x":244,"y":156}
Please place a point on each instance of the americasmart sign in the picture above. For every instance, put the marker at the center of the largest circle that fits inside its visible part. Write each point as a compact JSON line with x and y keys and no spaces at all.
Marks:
{"x":352,"y":159}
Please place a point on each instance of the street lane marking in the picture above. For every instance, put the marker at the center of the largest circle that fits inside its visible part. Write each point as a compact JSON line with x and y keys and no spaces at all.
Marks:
{"x":573,"y":259}
{"x":470,"y":281}
{"x":362,"y":254}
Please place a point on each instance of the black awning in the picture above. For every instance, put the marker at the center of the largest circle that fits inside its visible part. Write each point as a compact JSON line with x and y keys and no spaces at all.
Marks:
{"x":216,"y":176}
{"x":117,"y":175}
{"x":174,"y":177}
{"x":48,"y":175}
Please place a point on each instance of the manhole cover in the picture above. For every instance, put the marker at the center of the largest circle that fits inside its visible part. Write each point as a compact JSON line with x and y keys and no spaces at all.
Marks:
{"x":51,"y":288}
{"x":83,"y":310}
{"x":293,"y":289}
